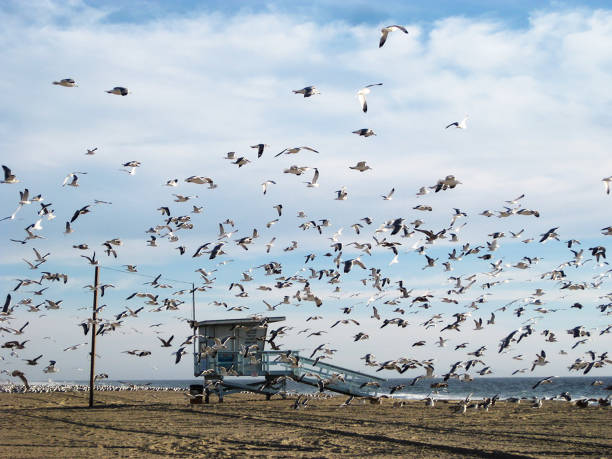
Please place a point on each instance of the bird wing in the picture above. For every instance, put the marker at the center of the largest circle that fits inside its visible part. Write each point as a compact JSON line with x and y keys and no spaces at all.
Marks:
{"x":383,"y":37}
{"x":362,"y":101}
{"x":21,"y":376}
{"x":311,"y":149}
{"x":75,"y":216}
{"x":358,"y":262}
{"x":7,"y":303}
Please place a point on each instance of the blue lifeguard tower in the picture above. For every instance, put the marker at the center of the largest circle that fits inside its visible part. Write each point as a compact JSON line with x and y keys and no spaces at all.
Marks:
{"x":236,"y":348}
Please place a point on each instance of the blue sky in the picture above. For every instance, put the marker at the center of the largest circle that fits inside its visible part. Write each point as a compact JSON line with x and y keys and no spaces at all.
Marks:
{"x":515,"y":13}
{"x":533,"y":77}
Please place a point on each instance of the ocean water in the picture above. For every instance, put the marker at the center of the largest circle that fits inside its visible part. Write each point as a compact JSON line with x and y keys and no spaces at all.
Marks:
{"x":521,"y":387}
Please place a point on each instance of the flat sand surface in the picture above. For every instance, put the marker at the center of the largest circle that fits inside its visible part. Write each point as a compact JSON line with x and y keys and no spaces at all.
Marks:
{"x":163,"y":424}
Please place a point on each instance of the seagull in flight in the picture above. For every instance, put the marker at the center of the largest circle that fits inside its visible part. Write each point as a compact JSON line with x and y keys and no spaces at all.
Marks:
{"x":294,"y":150}
{"x":119,"y":91}
{"x":13,"y":215}
{"x":362,"y":93}
{"x":385,"y":32}
{"x":548,"y":380}
{"x":9,"y":177}
{"x":66,"y":82}
{"x":607,"y":183}
{"x":265,"y":185}
{"x":364,"y":132}
{"x":314,"y":182}
{"x":307,"y":91}
{"x":260,"y":148}
{"x":389,"y":196}
{"x":166,"y":342}
{"x":72,"y":179}
{"x":459,"y":124}
{"x":360,"y":166}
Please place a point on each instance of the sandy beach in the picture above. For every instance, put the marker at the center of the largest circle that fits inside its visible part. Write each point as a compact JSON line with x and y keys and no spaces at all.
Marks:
{"x":163,"y":424}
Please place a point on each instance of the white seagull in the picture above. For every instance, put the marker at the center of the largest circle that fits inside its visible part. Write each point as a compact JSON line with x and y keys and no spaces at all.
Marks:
{"x":74,"y":182}
{"x":389,"y":196}
{"x":385,"y":31}
{"x":314,"y":182}
{"x":607,"y":183}
{"x":362,"y":93}
{"x":265,"y":185}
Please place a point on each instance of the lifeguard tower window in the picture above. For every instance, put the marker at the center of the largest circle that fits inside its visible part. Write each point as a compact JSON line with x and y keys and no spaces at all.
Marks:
{"x":231,"y":346}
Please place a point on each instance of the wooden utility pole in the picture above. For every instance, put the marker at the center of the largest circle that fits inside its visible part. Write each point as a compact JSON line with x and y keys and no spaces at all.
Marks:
{"x":193,"y":318}
{"x":92,"y":358}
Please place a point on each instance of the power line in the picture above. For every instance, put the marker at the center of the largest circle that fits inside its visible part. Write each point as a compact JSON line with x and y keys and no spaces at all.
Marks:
{"x":147,"y":276}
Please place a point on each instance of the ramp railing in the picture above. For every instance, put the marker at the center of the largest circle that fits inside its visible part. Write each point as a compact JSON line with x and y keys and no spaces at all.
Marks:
{"x":322,"y":374}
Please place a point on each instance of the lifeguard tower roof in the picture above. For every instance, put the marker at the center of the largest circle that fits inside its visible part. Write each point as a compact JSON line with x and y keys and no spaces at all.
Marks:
{"x":247,"y":320}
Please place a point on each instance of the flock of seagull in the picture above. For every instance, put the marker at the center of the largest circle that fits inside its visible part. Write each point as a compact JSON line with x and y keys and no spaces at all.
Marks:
{"x":389,"y":301}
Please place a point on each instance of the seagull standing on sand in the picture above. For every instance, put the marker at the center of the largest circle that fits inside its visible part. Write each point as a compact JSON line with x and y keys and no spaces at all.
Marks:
{"x":364,"y":92}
